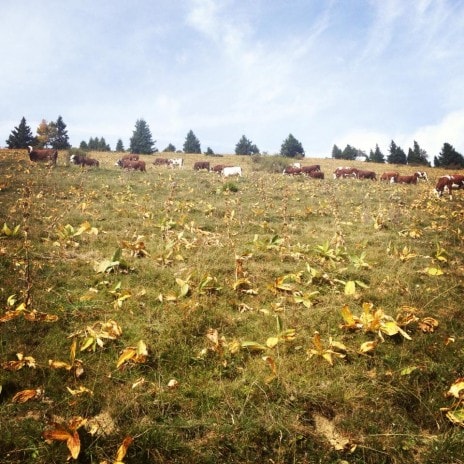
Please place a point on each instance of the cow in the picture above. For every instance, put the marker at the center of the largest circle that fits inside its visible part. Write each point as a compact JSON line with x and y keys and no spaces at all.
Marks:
{"x":82,"y":161}
{"x":454,"y":181}
{"x":43,"y":155}
{"x":130,"y":156}
{"x":161,"y":162}
{"x":411,"y":179}
{"x":218,"y":168}
{"x":136,"y":165}
{"x":199,"y":165}
{"x":389,"y":175}
{"x":422,"y":175}
{"x":296,"y":165}
{"x":176,"y":162}
{"x":308,"y":169}
{"x":291,"y":170}
{"x":232,"y":171}
{"x":345,"y":172}
{"x":362,"y":174}
{"x":316,"y":174}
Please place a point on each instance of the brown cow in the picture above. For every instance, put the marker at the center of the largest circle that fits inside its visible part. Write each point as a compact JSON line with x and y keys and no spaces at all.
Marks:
{"x":388,"y":176}
{"x":312,"y":168}
{"x":161,"y":162}
{"x":412,"y":179}
{"x":81,"y":160}
{"x":362,"y":174}
{"x":199,"y":165}
{"x":316,"y":174}
{"x":345,"y":172}
{"x":43,"y":155}
{"x":291,"y":170}
{"x":130,"y":156}
{"x":454,"y":181}
{"x":136,"y":165}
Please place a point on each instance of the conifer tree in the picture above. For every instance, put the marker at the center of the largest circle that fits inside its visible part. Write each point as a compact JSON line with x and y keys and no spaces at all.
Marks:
{"x":245,"y":147}
{"x":417,"y":156}
{"x":84,"y":145}
{"x":336,"y":152}
{"x":192,"y":144}
{"x":21,"y":136}
{"x":449,"y":158}
{"x":58,"y":134}
{"x":119,"y":146}
{"x":141,"y":141}
{"x":291,"y":148}
{"x":376,"y":156}
{"x":170,"y":148}
{"x":396,"y":155}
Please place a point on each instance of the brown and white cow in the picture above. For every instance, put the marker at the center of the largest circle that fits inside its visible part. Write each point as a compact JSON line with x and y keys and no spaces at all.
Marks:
{"x":291,"y":171}
{"x":449,"y":183}
{"x":345,"y":172}
{"x":81,"y":160}
{"x":389,"y":175}
{"x":43,"y":155}
{"x":136,"y":165}
{"x":411,"y":179}
{"x":316,"y":174}
{"x":363,"y":174}
{"x":161,"y":162}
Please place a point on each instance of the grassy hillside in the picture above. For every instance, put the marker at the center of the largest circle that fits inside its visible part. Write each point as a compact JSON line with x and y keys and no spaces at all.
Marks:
{"x":174,"y":316}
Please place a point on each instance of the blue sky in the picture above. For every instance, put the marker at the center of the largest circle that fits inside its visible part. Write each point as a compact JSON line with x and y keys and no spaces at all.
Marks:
{"x":358,"y":72}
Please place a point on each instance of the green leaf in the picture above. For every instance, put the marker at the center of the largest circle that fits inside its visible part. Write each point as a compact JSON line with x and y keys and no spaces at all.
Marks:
{"x":253,"y":346}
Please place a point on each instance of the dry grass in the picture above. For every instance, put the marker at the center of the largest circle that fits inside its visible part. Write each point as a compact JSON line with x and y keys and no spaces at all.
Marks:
{"x":226,"y":283}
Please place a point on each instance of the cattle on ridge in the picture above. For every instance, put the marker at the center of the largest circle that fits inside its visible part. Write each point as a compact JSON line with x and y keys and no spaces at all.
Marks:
{"x":389,"y":175}
{"x":232,"y":171}
{"x":449,"y":183}
{"x":136,"y":165}
{"x":43,"y":155}
{"x":345,"y":172}
{"x":363,"y":174}
{"x":200,"y":165}
{"x":82,"y":161}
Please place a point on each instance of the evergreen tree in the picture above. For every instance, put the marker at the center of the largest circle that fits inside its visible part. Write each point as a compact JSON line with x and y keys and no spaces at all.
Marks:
{"x":396,"y":155}
{"x":141,"y":141}
{"x":209,"y":151}
{"x":336,"y":152}
{"x":84,"y":146}
{"x":102,"y":145}
{"x":170,"y":148}
{"x":349,"y":153}
{"x":192,"y":144}
{"x":291,"y":148}
{"x":376,"y":156}
{"x":245,"y":147}
{"x":21,"y":136}
{"x":449,"y":158}
{"x":58,"y":134}
{"x":417,"y":156}
{"x":119,"y":146}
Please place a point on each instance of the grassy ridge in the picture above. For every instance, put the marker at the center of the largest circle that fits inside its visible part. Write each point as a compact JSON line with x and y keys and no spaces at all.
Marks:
{"x":226,"y":282}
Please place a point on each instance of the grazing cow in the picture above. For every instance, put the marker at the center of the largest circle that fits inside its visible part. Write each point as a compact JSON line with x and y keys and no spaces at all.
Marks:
{"x":291,"y":170}
{"x":161,"y":162}
{"x":232,"y":171}
{"x":362,"y":174}
{"x":389,"y":175}
{"x":316,"y":174}
{"x":136,"y":165}
{"x":43,"y":155}
{"x":176,"y":162}
{"x":296,"y":165}
{"x":345,"y":172}
{"x":412,"y":179}
{"x":454,"y":181}
{"x":199,"y":165}
{"x":130,"y":156}
{"x":82,"y":161}
{"x":308,"y":169}
{"x":422,"y":175}
{"x":218,"y":168}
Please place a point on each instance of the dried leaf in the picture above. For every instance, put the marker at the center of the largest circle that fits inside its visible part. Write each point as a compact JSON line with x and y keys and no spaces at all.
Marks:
{"x":122,"y":450}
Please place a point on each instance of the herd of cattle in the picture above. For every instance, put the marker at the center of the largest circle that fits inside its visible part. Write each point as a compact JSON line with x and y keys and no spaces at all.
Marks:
{"x":446,"y":183}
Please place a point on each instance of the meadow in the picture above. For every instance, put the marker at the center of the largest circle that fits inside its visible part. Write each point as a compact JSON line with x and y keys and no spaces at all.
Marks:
{"x":175,"y":316}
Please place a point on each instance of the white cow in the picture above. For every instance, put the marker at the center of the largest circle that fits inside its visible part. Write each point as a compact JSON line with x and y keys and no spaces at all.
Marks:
{"x":232,"y":171}
{"x":176,"y":162}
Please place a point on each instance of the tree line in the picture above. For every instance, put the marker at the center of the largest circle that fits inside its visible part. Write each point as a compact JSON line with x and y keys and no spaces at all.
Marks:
{"x":54,"y":134}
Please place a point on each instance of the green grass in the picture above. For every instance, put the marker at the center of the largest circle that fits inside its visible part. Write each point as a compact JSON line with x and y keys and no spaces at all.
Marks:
{"x":251,"y":250}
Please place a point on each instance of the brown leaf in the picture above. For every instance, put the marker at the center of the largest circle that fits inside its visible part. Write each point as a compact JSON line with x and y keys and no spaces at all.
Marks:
{"x":122,"y":450}
{"x":26,"y":395}
{"x":74,"y":445}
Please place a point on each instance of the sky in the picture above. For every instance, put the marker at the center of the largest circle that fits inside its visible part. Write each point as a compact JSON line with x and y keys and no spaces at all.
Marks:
{"x":329,"y":72}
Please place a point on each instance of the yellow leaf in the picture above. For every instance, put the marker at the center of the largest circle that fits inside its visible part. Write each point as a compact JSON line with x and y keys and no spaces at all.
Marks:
{"x":74,"y":445}
{"x":271,"y":342}
{"x":59,"y":365}
{"x":88,"y":342}
{"x":122,"y":450}
{"x":434,"y":271}
{"x":57,"y":434}
{"x":350,"y":288}
{"x":456,"y":416}
{"x":127,"y":354}
{"x":457,"y":389}
{"x":366,"y":347}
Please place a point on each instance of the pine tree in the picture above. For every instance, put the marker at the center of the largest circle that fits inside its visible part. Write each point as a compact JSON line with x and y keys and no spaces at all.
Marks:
{"x":291,"y":148}
{"x":376,"y":156}
{"x":417,"y":156}
{"x":449,"y":158}
{"x":209,"y":151}
{"x":141,"y":141}
{"x":336,"y":152}
{"x":84,"y":145}
{"x":349,"y":153}
{"x":245,"y":147}
{"x":397,"y":155}
{"x":59,"y":138}
{"x":170,"y":148}
{"x":119,"y":146}
{"x":192,"y":144}
{"x":21,"y":136}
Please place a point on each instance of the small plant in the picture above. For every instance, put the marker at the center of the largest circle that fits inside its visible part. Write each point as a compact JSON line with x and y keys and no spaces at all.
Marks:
{"x":230,"y":187}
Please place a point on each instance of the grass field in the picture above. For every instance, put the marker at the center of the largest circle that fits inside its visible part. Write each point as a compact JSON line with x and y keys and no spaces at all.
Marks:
{"x":174,"y":316}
